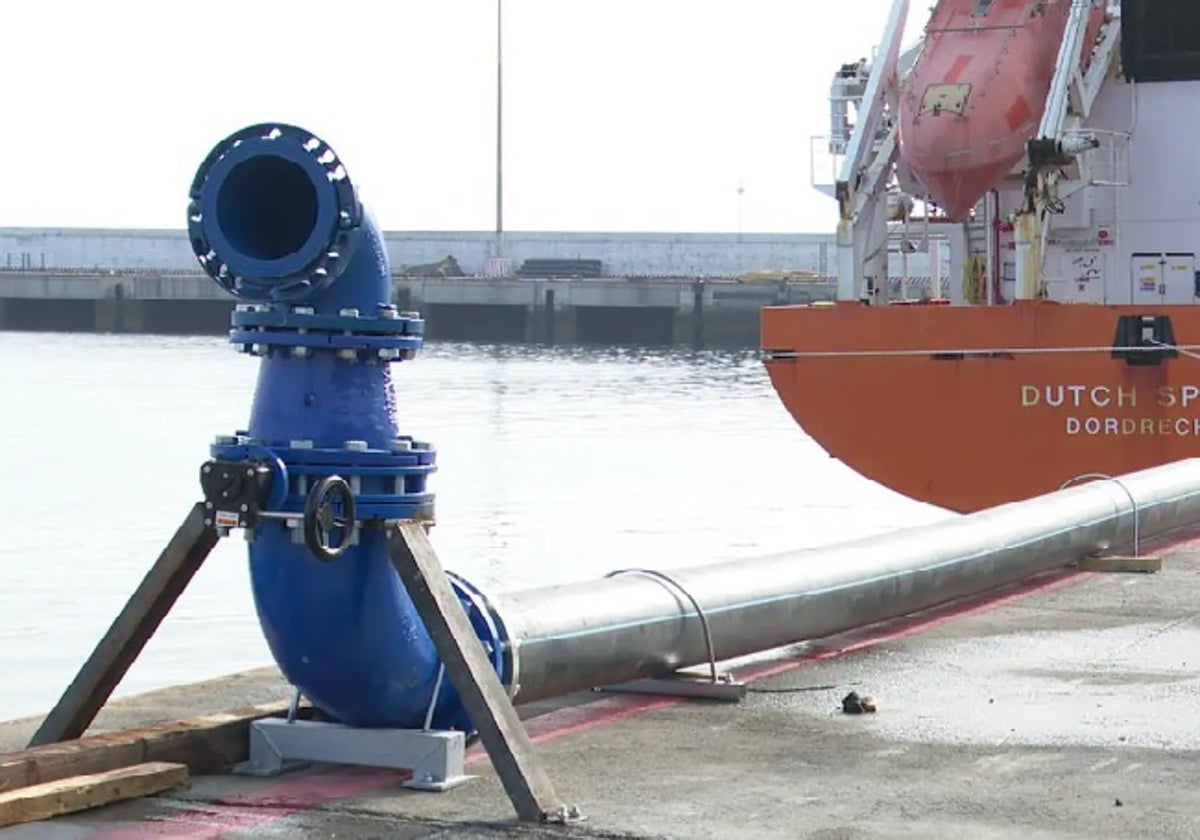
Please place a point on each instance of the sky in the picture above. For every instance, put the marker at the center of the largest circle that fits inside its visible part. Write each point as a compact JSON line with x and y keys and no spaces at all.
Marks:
{"x":619,"y":115}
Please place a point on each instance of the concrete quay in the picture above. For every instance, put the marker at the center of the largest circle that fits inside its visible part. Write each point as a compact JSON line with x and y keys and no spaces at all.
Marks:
{"x":1061,"y":708}
{"x":688,"y":311}
{"x":623,"y":254}
{"x":691,"y":311}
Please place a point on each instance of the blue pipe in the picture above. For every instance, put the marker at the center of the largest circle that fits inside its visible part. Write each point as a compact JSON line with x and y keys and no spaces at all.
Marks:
{"x":275,"y":220}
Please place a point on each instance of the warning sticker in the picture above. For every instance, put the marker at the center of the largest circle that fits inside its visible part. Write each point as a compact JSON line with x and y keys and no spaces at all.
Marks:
{"x":226,"y":519}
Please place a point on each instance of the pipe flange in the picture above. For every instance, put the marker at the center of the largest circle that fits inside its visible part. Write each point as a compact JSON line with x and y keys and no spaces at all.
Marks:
{"x":386,"y":338}
{"x":325,"y":252}
{"x":387,"y":484}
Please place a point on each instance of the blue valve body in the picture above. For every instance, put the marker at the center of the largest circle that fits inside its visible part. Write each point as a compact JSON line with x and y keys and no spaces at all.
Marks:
{"x":275,"y":220}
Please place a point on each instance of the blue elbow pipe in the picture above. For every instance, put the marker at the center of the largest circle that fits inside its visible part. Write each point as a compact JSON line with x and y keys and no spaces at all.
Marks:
{"x":275,"y":220}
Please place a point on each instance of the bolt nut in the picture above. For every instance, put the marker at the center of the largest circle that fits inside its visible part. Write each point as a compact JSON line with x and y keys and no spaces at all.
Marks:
{"x":258,"y":349}
{"x":388,"y":353}
{"x":349,"y":312}
{"x":408,"y":354}
{"x":301,"y":444}
{"x":388,"y":312}
{"x":303,"y":310}
{"x":401,"y":445}
{"x":355,"y":445}
{"x":412,"y":316}
{"x":348,"y":354}
{"x":225,"y":440}
{"x":301,"y":352}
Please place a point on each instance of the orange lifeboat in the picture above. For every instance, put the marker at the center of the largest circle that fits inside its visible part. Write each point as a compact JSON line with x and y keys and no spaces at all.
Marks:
{"x":976,"y":93}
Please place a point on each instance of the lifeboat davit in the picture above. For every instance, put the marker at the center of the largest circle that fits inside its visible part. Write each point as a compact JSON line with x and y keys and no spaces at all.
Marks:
{"x":977,"y":91}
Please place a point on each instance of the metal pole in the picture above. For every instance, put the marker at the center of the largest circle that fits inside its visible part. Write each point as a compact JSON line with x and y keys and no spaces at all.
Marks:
{"x":499,"y":124}
{"x":741,"y":194}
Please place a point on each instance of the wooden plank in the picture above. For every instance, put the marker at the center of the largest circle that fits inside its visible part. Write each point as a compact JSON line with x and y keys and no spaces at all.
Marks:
{"x":1147,"y":564}
{"x":145,"y":610}
{"x":205,"y":744}
{"x":79,"y":793}
{"x":507,"y":743}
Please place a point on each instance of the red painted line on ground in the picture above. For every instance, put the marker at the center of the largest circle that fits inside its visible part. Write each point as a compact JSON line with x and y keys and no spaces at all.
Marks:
{"x":282,"y":799}
{"x":263,"y":805}
{"x":566,"y":721}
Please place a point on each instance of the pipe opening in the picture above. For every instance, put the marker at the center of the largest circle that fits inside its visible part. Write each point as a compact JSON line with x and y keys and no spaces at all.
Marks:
{"x":267,"y":207}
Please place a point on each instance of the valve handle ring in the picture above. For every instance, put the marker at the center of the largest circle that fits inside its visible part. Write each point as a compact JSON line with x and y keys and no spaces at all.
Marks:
{"x":320,"y":519}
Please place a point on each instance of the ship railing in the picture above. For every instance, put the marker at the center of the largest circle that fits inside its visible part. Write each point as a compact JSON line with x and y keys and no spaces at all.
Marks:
{"x":825,"y":163}
{"x":1107,"y":164}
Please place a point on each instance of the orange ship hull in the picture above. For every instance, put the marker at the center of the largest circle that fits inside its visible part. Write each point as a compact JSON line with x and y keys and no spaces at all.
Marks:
{"x":970,"y":407}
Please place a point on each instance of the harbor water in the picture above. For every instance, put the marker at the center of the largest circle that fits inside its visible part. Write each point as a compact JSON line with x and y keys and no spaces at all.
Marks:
{"x":555,"y":465}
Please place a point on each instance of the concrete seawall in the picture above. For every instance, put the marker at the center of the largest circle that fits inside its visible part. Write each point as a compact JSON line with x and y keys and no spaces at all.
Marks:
{"x":622,"y":254}
{"x":689,"y":311}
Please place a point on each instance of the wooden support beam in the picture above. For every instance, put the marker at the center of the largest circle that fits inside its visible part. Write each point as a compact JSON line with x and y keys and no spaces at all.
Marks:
{"x":154,"y":597}
{"x":79,"y":793}
{"x":507,"y":743}
{"x":206,"y":744}
{"x":1145,"y":564}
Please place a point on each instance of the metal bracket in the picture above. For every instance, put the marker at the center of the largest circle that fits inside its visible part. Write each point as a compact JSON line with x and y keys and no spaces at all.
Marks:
{"x":725,"y":689}
{"x":1132,"y":501}
{"x":680,"y":684}
{"x":436,"y":758}
{"x":713,"y":678}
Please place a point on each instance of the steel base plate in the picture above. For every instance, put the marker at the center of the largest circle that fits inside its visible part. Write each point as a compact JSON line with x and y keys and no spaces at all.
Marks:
{"x":435,"y":757}
{"x":694,"y":688}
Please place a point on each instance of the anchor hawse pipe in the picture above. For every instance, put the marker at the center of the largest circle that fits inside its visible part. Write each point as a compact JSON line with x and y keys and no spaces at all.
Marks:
{"x":275,"y":220}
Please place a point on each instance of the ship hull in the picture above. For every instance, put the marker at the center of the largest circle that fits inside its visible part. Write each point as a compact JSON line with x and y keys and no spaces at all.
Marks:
{"x":970,"y":407}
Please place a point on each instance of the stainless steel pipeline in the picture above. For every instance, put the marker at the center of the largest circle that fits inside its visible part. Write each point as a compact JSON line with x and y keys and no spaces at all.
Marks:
{"x":575,"y":636}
